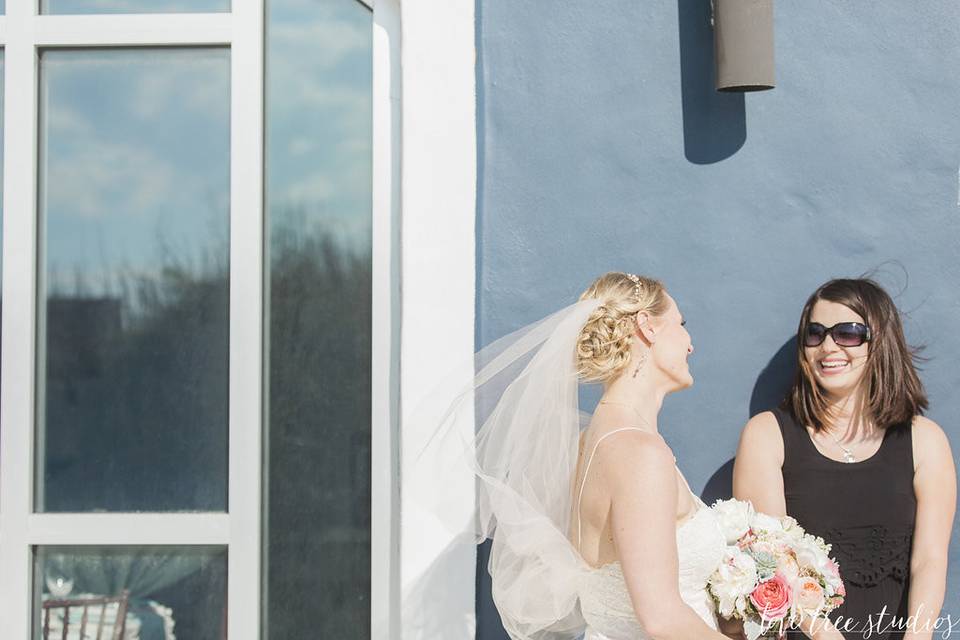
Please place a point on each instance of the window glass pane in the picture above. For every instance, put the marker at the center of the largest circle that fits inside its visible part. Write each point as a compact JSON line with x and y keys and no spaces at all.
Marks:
{"x":319,"y":140}
{"x":133,"y":6}
{"x":171,"y":591}
{"x":132,"y":373}
{"x":2,"y":82}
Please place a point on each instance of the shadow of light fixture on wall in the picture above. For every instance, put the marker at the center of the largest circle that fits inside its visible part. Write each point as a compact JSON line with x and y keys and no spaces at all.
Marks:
{"x":743,"y":44}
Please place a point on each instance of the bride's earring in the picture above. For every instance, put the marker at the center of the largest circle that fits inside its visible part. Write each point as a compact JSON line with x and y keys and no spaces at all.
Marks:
{"x":640,"y":363}
{"x":643,"y":357}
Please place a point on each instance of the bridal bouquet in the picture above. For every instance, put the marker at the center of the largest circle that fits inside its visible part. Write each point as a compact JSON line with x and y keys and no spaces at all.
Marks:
{"x":773,"y":573}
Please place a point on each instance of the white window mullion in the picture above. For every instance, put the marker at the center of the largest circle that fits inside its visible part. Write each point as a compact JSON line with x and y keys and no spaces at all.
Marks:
{"x":3,"y":30}
{"x":385,"y":365}
{"x":137,"y":30}
{"x":128,"y":529}
{"x":19,"y":318}
{"x":247,"y":258}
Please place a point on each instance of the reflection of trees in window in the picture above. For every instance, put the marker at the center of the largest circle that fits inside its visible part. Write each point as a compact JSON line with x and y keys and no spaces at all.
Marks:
{"x":318,"y":475}
{"x":136,"y":394}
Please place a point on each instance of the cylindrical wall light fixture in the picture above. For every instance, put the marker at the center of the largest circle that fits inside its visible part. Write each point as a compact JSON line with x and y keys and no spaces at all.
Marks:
{"x":743,"y":44}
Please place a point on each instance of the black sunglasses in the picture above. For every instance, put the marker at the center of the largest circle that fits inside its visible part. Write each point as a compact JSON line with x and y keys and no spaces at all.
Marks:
{"x":844,"y":334}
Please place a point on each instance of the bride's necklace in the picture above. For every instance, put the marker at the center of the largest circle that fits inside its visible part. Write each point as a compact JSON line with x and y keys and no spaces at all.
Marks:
{"x":629,"y":406}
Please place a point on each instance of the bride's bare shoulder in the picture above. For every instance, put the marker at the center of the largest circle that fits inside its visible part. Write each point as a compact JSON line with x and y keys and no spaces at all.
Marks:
{"x":635,"y":453}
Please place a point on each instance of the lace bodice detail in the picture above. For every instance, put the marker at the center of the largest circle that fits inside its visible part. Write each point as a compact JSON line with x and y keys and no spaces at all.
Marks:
{"x":605,"y":602}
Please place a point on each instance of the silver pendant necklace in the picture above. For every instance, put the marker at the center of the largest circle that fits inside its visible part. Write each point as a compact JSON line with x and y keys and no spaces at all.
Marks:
{"x":847,"y":453}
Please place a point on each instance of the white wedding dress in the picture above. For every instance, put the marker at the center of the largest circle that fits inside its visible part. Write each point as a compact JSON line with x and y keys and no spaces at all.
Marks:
{"x":604,"y":601}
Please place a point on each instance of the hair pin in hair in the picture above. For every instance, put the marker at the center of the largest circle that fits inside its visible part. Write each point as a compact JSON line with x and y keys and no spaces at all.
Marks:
{"x":637,"y":285}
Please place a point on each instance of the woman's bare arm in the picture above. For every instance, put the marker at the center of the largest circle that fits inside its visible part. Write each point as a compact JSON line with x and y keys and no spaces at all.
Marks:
{"x":935,"y":485}
{"x":641,"y":478}
{"x":757,"y":474}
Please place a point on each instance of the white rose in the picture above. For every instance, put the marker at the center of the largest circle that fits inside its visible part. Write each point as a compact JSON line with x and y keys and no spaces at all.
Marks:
{"x":788,"y":566}
{"x":811,"y":556}
{"x":734,"y":516}
{"x":763,"y":522}
{"x":735,"y":577}
{"x":792,"y":529}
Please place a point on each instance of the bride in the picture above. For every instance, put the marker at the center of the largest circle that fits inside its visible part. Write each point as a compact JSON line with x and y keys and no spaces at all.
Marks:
{"x":650,"y":542}
{"x":594,"y":530}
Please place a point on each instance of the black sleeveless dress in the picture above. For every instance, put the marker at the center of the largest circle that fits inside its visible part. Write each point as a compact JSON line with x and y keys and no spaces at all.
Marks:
{"x":866,"y":510}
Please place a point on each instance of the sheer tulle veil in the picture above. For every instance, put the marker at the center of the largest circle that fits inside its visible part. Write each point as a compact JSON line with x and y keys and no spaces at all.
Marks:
{"x":523,"y":456}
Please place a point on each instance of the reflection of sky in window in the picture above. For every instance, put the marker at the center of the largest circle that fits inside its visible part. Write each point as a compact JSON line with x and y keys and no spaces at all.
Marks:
{"x":319,"y":118}
{"x":133,"y":6}
{"x":135,"y":163}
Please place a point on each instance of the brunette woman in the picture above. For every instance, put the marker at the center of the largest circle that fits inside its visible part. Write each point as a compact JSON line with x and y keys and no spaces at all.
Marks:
{"x":849,"y":455}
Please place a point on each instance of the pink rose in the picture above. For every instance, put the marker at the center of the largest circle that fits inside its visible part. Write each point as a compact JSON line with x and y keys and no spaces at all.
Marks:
{"x":833,"y":571}
{"x":833,"y":567}
{"x":809,"y":595}
{"x":772,"y":598}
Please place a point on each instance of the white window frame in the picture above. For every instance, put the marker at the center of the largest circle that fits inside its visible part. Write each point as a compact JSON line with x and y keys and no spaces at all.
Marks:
{"x":385,"y":347}
{"x":424,"y":121}
{"x":23,"y":34}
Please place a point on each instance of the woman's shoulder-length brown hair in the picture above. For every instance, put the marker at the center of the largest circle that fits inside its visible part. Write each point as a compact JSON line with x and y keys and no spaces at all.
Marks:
{"x":893,"y":391}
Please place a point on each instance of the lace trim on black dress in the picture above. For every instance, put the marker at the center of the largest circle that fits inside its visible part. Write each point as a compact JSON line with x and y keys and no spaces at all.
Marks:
{"x":869,"y":554}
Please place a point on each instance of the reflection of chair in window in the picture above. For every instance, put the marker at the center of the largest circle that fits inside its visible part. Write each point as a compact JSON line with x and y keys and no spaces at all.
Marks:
{"x":105,"y":616}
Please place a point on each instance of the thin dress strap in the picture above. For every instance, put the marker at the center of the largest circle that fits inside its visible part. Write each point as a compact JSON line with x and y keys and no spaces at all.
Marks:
{"x":586,"y":470}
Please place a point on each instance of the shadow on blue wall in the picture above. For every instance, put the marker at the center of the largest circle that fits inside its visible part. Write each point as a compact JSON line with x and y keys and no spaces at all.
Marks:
{"x":714,"y":123}
{"x":770,"y":388}
{"x":720,"y":485}
{"x":774,"y":381}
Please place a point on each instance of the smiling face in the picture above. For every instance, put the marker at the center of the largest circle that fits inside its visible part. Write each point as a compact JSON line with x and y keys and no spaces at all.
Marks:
{"x":671,"y":346}
{"x":837,"y":370}
{"x":880,"y":372}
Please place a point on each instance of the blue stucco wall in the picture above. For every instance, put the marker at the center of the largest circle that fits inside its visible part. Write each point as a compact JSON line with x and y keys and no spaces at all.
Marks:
{"x":602,"y":146}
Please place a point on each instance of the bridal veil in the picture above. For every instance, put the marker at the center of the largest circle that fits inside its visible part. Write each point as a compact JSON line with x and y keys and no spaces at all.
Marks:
{"x":524,"y":399}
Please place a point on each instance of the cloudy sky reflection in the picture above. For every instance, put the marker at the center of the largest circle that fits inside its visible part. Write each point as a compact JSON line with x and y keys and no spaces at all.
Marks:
{"x":135,"y":163}
{"x":319,"y":118}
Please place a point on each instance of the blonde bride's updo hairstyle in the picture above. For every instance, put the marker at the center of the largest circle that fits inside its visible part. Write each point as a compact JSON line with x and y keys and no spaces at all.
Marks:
{"x":603,"y":347}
